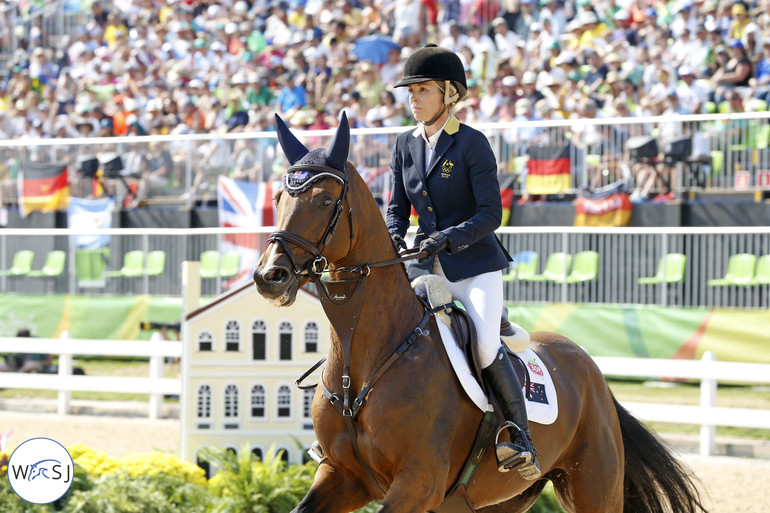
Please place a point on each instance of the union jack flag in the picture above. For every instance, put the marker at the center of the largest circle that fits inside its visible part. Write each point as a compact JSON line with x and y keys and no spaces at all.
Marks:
{"x":245,"y":205}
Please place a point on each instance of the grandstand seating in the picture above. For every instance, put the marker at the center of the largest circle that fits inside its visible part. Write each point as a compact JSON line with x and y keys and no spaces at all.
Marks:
{"x":22,"y":264}
{"x":585,"y":267}
{"x":53,"y":267}
{"x":557,"y":267}
{"x":740,"y":271}
{"x":230,"y":264}
{"x":671,"y":269}
{"x":763,"y":271}
{"x":156,"y":263}
{"x":90,"y":265}
{"x":209,"y":264}
{"x":526,"y":266}
{"x":133,"y":265}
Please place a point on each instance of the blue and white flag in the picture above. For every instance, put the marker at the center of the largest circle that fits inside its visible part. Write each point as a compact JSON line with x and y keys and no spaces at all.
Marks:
{"x":84,"y":214}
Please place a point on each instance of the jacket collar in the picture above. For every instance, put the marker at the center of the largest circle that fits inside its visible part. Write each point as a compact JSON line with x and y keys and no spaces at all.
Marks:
{"x":451,"y":127}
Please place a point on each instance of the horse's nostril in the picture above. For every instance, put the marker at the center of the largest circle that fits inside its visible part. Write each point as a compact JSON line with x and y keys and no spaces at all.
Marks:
{"x":276,"y":275}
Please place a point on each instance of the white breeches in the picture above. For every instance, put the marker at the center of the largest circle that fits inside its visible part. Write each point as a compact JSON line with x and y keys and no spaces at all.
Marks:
{"x":482,"y":297}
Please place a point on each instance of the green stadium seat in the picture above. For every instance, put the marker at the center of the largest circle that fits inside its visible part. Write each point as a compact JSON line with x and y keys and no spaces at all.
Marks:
{"x":230,"y":264}
{"x":526,"y":266}
{"x":90,"y":265}
{"x":740,"y":271}
{"x":53,"y":267}
{"x":763,"y":271}
{"x":670,"y":270}
{"x":22,"y":264}
{"x":557,"y":267}
{"x":209,"y":264}
{"x":133,"y":265}
{"x":717,"y":159}
{"x":585,"y":267}
{"x":156,"y":263}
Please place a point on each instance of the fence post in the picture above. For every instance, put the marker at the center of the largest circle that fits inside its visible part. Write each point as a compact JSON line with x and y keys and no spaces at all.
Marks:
{"x":156,"y":372}
{"x":65,"y":369}
{"x":708,"y":400}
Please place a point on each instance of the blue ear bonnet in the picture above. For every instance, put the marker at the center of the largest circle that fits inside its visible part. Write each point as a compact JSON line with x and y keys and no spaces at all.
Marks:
{"x":307,"y":166}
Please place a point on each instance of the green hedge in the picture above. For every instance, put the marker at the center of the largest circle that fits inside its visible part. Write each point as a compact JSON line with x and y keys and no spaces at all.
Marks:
{"x":160,"y":483}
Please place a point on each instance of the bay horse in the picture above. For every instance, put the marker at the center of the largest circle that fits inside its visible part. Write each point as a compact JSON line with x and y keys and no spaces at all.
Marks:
{"x":405,"y":438}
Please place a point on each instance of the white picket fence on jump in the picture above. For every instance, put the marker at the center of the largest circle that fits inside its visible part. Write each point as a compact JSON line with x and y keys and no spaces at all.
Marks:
{"x":65,"y":383}
{"x":707,"y":370}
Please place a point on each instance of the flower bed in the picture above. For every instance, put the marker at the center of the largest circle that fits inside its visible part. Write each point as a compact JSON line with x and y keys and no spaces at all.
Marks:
{"x":158,"y":482}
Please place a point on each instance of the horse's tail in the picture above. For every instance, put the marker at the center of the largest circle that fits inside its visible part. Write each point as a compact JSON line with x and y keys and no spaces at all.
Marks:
{"x":653,"y":475}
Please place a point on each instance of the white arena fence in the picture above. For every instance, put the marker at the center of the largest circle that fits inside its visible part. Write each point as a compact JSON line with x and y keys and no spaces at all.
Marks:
{"x":726,"y":151}
{"x":156,"y":350}
{"x":627,"y":258}
{"x":707,"y":370}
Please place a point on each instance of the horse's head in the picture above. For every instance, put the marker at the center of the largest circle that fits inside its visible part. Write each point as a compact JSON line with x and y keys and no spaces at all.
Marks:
{"x":310,"y":205}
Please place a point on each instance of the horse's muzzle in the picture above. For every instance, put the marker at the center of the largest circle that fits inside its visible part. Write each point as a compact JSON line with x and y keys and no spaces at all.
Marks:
{"x":276,"y":283}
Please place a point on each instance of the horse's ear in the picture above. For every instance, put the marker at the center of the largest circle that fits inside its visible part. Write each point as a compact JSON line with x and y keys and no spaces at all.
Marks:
{"x":337,"y":154}
{"x":291,"y":146}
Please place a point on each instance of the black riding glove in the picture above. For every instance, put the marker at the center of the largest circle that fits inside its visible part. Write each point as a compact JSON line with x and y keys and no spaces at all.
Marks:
{"x":398,"y":241}
{"x":432,"y":245}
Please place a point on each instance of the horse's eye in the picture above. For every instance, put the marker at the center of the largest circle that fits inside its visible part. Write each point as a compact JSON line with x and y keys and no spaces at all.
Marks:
{"x":326,"y":202}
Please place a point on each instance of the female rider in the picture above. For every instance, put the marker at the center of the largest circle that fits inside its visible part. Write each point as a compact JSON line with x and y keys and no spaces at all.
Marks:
{"x":448,"y":173}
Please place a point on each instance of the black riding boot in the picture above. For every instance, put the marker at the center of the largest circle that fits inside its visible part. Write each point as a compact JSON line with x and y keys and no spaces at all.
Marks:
{"x":520,"y":453}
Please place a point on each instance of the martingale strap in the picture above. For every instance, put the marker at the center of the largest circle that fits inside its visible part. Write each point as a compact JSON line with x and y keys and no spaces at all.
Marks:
{"x":350,"y":412}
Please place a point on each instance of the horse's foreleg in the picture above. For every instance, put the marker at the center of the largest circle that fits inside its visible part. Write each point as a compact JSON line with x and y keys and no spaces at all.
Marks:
{"x":412,"y":492}
{"x":333,"y":491}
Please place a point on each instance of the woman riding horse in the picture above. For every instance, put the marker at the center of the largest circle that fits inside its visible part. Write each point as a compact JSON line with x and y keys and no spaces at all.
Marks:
{"x":390,"y":415}
{"x":447,"y":171}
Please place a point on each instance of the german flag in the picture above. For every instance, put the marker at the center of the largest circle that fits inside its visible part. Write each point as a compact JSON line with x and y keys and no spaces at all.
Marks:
{"x":43,"y":187}
{"x":506,"y":182}
{"x":548,"y":169}
{"x":612,"y":210}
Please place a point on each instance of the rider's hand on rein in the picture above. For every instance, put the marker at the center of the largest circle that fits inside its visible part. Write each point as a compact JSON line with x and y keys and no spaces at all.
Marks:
{"x":433,"y":244}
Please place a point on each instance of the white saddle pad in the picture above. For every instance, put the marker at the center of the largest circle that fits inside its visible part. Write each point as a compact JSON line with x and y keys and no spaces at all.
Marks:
{"x":542,"y":407}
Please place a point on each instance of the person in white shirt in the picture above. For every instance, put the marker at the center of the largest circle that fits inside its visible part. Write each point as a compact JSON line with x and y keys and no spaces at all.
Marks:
{"x":555,"y":14}
{"x":506,"y":40}
{"x":456,"y":40}
{"x":692,"y":95}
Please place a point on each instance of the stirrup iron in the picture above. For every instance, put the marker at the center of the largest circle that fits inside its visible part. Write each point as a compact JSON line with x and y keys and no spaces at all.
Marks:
{"x":512,"y":455}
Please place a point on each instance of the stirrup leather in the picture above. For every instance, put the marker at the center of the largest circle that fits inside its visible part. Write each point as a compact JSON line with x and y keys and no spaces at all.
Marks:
{"x":512,"y":455}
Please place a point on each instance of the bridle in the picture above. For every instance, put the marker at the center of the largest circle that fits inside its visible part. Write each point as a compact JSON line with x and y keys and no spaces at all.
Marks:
{"x":318,"y":263}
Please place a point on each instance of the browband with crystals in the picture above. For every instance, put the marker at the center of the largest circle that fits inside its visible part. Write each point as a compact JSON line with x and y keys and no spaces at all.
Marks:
{"x":300,"y":177}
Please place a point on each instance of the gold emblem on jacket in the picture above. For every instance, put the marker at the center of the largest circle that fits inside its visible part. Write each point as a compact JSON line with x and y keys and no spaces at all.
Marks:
{"x":446,"y":169}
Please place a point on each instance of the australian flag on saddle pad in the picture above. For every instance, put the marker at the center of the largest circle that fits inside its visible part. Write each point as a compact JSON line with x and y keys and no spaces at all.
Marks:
{"x":245,"y":205}
{"x":607,"y":206}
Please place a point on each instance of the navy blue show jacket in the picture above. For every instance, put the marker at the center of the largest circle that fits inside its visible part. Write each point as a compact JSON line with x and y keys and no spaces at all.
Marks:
{"x":459,"y":195}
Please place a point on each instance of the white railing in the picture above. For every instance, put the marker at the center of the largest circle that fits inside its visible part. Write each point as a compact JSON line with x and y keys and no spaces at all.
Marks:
{"x":707,"y":414}
{"x":729,"y":144}
{"x":707,"y":370}
{"x":155,"y":384}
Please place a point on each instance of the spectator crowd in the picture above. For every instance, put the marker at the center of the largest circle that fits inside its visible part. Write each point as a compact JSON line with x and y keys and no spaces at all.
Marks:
{"x":139,"y":67}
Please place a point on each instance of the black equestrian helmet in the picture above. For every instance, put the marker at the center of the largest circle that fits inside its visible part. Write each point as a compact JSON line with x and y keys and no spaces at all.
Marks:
{"x":433,"y":62}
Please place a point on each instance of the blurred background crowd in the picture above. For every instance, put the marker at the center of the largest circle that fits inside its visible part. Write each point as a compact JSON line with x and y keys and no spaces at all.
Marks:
{"x":140,"y":67}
